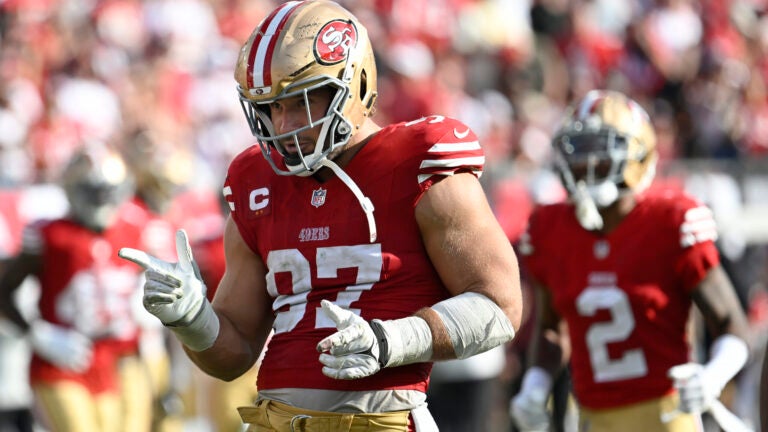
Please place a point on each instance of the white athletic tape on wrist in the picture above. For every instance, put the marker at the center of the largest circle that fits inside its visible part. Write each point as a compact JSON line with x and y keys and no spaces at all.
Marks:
{"x":403,"y":341}
{"x":201,"y":332}
{"x":728,"y":355}
{"x":474,"y":323}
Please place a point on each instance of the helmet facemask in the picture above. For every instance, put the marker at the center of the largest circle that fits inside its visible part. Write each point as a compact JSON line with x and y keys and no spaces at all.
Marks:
{"x":335,"y":129}
{"x":594,"y":163}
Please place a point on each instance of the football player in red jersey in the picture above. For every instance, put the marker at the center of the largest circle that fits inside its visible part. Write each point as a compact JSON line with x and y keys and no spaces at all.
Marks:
{"x":370,"y":251}
{"x":151,"y":167}
{"x":85,"y":373}
{"x":621,"y":265}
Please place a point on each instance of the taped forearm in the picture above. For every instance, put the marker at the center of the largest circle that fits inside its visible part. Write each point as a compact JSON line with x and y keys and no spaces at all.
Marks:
{"x":403,"y":341}
{"x":201,"y":332}
{"x":474,"y":323}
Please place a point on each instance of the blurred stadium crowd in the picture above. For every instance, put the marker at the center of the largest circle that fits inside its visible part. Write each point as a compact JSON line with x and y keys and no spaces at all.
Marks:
{"x":155,"y":79}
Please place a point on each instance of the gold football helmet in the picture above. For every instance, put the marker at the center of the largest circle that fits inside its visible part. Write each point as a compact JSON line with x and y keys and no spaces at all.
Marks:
{"x":605,"y":146}
{"x":300,"y":47}
{"x":96,"y":182}
{"x":158,"y":171}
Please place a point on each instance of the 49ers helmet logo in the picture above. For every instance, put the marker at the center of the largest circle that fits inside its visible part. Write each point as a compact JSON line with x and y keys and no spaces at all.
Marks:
{"x":334,"y":40}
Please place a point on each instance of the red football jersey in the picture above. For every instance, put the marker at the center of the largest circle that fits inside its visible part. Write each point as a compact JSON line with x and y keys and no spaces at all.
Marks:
{"x":314,"y":239}
{"x":625,"y":295}
{"x":86,"y":286}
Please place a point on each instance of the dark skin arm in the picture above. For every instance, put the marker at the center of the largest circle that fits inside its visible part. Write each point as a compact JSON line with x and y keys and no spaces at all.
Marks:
{"x":550,"y":346}
{"x":716,"y":299}
{"x":13,"y":274}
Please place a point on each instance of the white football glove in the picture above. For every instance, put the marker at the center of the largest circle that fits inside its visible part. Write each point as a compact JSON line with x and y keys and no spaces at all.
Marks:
{"x":61,"y":346}
{"x":175,"y":294}
{"x":353,"y":351}
{"x":529,"y":407}
{"x":529,"y":410}
{"x":697,"y":391}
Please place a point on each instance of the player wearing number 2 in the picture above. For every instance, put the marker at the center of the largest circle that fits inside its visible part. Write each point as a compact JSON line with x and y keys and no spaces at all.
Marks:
{"x":370,"y":251}
{"x":621,"y":265}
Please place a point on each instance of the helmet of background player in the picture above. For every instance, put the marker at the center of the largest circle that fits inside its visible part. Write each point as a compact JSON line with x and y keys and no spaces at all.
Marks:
{"x":158,"y":170}
{"x":97,"y":183}
{"x":300,"y":47}
{"x":605,"y":147}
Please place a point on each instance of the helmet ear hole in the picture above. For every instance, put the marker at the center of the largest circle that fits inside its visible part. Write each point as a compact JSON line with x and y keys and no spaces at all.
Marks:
{"x":363,"y":85}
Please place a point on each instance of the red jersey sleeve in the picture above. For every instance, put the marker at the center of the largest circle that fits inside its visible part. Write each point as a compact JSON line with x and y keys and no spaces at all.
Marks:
{"x":450,"y":147}
{"x":697,"y":231}
{"x":241,"y":203}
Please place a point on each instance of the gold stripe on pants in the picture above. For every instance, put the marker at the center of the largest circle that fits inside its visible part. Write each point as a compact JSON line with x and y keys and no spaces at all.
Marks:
{"x":271,"y":416}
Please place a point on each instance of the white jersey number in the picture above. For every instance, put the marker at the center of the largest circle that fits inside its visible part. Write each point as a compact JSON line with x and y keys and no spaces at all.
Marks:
{"x":632,"y":363}
{"x":365,"y":258}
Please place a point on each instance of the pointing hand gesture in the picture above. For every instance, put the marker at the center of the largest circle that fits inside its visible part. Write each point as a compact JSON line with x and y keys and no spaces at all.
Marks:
{"x":175,"y":293}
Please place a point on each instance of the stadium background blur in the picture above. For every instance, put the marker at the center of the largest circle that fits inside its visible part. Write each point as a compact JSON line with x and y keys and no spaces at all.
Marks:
{"x":74,"y":71}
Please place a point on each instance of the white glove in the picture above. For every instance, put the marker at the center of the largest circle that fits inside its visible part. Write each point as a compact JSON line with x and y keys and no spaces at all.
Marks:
{"x":61,"y":346}
{"x":529,"y":407}
{"x":175,"y":294}
{"x":529,"y":410}
{"x":353,"y":351}
{"x":697,"y":391}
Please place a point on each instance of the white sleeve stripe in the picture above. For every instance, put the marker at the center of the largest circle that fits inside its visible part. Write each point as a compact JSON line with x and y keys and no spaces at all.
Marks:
{"x":691,"y":239}
{"x":424,"y":177}
{"x":227,"y":191}
{"x":701,"y":212}
{"x":451,"y":163}
{"x":455,"y":147}
{"x":700,"y":225}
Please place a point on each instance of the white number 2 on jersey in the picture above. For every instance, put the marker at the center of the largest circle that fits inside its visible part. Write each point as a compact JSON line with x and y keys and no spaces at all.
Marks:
{"x":365,"y":258}
{"x":632,"y":363}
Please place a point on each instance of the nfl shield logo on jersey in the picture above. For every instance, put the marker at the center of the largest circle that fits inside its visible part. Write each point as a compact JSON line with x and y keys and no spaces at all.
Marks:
{"x":318,"y":197}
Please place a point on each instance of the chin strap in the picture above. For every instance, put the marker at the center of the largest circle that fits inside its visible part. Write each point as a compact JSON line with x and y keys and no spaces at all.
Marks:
{"x":365,"y":202}
{"x":586,"y":209}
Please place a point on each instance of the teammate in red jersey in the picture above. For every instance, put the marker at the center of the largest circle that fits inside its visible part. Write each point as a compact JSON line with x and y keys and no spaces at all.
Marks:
{"x":621,"y":266}
{"x":370,"y":251}
{"x":85,"y":372}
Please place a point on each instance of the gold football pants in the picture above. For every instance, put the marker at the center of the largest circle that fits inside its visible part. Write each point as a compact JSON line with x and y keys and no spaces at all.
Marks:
{"x":270,"y":416}
{"x":640,"y":417}
{"x":66,"y":406}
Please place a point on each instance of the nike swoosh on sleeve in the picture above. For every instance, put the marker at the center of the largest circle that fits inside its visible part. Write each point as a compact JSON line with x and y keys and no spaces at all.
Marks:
{"x":460,"y":135}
